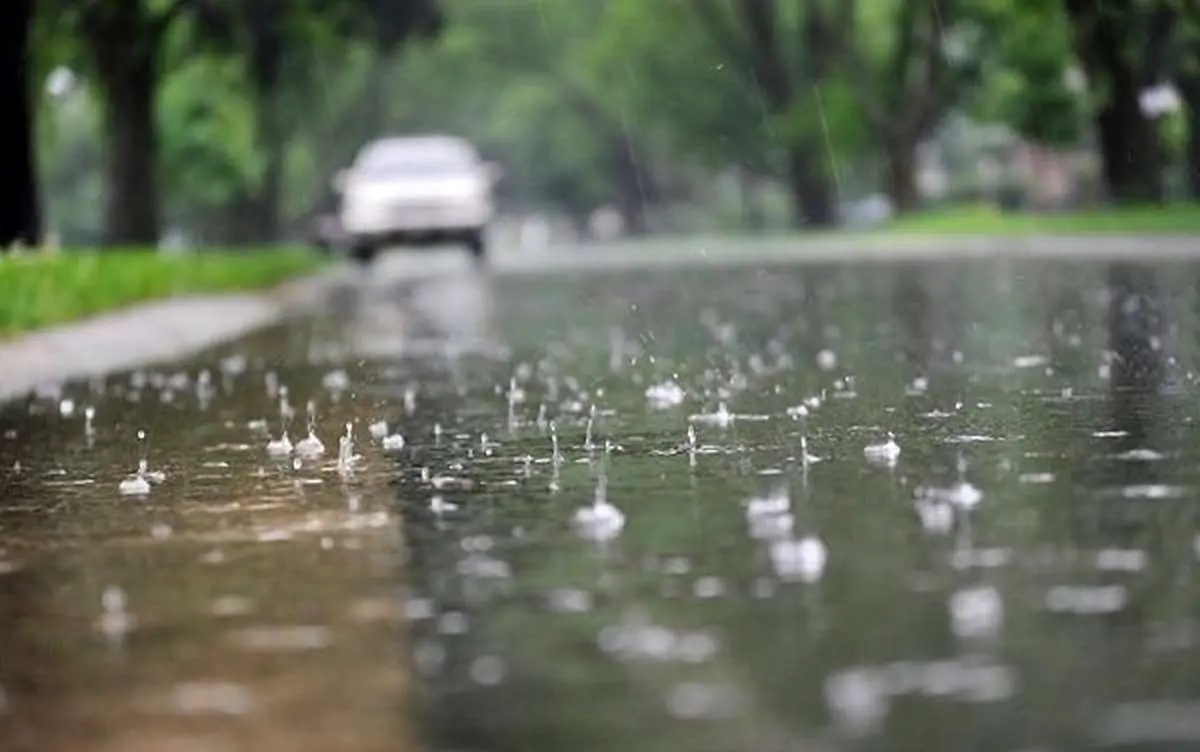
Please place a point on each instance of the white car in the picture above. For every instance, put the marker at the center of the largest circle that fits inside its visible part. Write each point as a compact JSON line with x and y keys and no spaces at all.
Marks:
{"x":417,"y":190}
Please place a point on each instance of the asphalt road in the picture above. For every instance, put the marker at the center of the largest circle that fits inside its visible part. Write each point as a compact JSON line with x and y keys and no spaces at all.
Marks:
{"x":611,"y":526}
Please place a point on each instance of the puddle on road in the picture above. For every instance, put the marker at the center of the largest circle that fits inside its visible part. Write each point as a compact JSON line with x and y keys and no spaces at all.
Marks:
{"x":652,"y":511}
{"x":240,"y":601}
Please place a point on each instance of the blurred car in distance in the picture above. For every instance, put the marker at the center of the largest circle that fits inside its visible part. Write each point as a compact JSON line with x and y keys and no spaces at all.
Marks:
{"x":416,"y":191}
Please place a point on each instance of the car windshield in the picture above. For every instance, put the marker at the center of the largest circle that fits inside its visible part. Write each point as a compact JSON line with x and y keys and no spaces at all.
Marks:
{"x":386,"y":162}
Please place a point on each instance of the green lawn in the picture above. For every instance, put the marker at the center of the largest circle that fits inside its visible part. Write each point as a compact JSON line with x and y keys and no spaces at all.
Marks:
{"x":984,"y":220}
{"x":39,"y":290}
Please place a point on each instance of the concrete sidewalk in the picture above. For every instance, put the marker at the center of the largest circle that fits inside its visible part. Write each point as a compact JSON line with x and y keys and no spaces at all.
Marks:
{"x":150,"y":333}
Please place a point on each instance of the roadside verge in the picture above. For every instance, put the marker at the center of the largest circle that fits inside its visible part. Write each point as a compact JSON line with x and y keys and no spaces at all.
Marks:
{"x":146,"y":333}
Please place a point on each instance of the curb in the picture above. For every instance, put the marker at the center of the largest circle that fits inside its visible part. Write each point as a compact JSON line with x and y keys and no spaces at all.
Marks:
{"x":148,"y":333}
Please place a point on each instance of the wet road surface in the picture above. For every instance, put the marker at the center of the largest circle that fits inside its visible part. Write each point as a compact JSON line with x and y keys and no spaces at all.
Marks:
{"x":632,"y":509}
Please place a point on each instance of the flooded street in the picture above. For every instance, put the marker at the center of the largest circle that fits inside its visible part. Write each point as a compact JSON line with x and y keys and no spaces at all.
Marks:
{"x":921,"y":506}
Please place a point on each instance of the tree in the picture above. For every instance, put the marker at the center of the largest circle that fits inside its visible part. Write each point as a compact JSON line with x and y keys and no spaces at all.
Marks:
{"x":1031,"y":79}
{"x":209,"y":151}
{"x":1120,"y":44}
{"x":260,"y":35}
{"x":784,"y":51}
{"x":524,"y":85}
{"x":277,"y":40}
{"x":122,"y":42}
{"x":723,"y":92}
{"x":1187,"y":69}
{"x":683,"y":96}
{"x":19,"y":211}
{"x":910,"y":62}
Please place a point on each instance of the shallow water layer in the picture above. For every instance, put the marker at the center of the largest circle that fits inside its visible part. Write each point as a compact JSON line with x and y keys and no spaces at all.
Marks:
{"x":628,"y":511}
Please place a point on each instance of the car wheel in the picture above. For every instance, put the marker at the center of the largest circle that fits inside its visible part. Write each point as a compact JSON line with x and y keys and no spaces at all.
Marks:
{"x":363,"y":253}
{"x":477,"y":245}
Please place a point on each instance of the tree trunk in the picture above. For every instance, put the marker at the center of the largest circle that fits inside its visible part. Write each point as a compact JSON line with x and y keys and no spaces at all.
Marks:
{"x":812,"y":196}
{"x":1193,"y":153}
{"x":1129,"y":147}
{"x":902,"y":174}
{"x":1190,"y":92}
{"x":631,"y":183}
{"x":19,"y":211}
{"x":130,"y":83}
{"x":1129,"y":144}
{"x":269,"y":198}
{"x":238,"y":222}
{"x":752,"y":214}
{"x":266,"y":67}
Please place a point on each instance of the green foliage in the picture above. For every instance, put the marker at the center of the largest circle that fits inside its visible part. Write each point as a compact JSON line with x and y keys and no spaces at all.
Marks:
{"x":338,"y":114}
{"x":553,"y":88}
{"x":523,"y":88}
{"x":1028,"y":81}
{"x":687,"y":92}
{"x":831,"y":114}
{"x":222,"y":131}
{"x":553,"y":146}
{"x":987,"y":220}
{"x":206,"y":117}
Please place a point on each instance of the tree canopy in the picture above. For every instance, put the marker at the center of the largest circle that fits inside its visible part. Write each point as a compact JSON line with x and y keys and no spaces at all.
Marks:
{"x":224,"y":119}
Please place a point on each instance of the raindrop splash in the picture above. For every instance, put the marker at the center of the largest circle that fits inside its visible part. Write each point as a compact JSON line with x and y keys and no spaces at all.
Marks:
{"x":138,"y":484}
{"x":588,"y":444}
{"x":378,"y":430}
{"x":601,"y":521}
{"x":310,"y":447}
{"x":282,"y":447}
{"x":555,"y":455}
{"x":347,"y":459}
{"x":886,"y":453}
